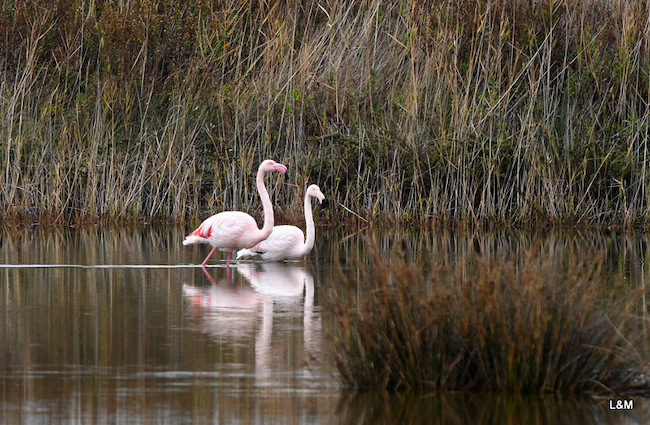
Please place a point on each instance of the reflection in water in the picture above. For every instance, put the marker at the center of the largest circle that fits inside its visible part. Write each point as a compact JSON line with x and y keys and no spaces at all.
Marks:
{"x":119,"y":344}
{"x":284,"y":284}
{"x":151,"y":345}
{"x":233,"y":312}
{"x":484,"y":409}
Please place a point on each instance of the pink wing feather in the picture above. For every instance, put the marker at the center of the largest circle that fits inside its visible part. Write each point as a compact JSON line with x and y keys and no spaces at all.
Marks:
{"x":200,"y":231}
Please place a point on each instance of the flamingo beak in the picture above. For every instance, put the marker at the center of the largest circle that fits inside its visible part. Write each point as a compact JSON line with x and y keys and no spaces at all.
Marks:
{"x":281,"y":168}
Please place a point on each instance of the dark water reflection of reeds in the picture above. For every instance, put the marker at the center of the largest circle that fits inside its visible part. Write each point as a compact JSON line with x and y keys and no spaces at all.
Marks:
{"x":484,"y":409}
{"x":136,"y":344}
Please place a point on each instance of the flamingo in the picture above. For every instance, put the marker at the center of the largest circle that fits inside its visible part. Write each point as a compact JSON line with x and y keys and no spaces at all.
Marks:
{"x":288,"y":242}
{"x":229,"y":231}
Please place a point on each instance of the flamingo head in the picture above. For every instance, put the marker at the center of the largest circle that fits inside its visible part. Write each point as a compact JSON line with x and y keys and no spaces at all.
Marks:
{"x":314,"y":192}
{"x":270,"y":165}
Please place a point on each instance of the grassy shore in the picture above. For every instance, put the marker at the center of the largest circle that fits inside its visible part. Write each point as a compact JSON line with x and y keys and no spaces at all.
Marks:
{"x":498,"y":111}
{"x":527,"y":323}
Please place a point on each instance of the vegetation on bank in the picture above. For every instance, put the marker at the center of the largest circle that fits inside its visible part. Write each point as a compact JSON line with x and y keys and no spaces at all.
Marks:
{"x":530,"y":324}
{"x":503,"y":111}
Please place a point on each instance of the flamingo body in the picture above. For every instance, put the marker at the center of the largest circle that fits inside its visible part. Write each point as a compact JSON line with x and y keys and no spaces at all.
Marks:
{"x":288,"y":242}
{"x":285,"y":242}
{"x":227,"y":231}
{"x":232,"y":230}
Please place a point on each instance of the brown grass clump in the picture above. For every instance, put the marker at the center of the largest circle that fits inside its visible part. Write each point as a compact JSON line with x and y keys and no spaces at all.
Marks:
{"x":530,"y":325}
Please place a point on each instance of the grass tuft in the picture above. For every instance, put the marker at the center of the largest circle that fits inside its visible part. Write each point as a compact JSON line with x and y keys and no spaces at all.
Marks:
{"x":529,"y":325}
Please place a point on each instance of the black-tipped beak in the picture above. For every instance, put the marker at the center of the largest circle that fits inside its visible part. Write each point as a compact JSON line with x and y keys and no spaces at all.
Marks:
{"x":325,"y":204}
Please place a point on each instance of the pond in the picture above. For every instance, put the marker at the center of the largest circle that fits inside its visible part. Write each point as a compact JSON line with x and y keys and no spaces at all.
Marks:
{"x":124,"y":326}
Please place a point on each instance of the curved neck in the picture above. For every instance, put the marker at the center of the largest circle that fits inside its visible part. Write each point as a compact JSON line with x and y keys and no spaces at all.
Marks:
{"x":266,"y":204}
{"x":309,"y":222}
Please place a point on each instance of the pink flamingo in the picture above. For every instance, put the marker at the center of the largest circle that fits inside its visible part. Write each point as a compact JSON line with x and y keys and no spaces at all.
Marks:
{"x":232,"y":230}
{"x":288,"y":242}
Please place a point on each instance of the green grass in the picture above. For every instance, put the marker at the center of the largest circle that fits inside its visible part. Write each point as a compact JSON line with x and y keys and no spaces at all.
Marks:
{"x":468,"y":111}
{"x":533,"y":323}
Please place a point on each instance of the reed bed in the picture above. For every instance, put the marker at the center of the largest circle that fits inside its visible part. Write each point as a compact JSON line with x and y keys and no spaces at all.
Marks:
{"x":499,"y":111}
{"x":528,"y":324}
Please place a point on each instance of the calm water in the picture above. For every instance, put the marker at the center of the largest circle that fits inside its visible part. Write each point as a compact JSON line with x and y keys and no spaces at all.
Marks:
{"x":122,"y":327}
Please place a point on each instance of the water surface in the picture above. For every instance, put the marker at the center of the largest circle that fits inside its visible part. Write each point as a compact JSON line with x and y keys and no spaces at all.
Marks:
{"x":122,"y":326}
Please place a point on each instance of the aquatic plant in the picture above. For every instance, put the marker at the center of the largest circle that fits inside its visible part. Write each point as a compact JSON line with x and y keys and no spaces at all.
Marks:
{"x":527,"y":324}
{"x":510,"y":112}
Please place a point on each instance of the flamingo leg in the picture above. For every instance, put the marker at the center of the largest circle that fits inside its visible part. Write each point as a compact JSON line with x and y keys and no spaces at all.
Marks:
{"x":208,"y":257}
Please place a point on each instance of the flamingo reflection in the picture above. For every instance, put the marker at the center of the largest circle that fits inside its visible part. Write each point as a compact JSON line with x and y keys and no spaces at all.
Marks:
{"x":234,"y":310}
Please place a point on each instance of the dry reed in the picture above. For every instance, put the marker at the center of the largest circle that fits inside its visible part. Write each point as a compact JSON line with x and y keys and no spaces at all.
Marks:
{"x":504,"y":111}
{"x":534,"y":324}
